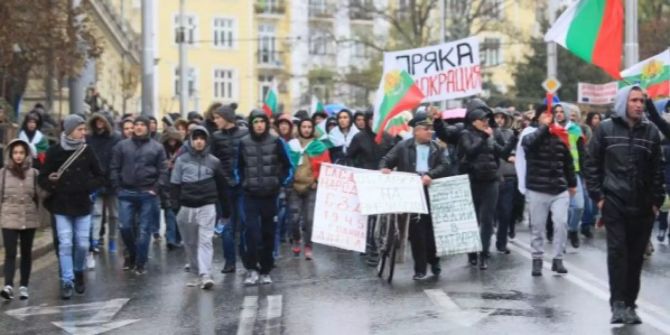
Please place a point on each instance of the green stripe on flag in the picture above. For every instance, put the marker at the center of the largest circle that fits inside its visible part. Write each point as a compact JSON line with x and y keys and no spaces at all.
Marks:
{"x":585,"y":27}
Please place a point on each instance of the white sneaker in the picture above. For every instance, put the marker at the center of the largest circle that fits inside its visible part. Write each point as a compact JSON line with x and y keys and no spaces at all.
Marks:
{"x":266,"y":280}
{"x":207,"y":283}
{"x":7,"y":292}
{"x":252,"y":278}
{"x":23,"y":293}
{"x":90,"y":261}
{"x":187,"y":267}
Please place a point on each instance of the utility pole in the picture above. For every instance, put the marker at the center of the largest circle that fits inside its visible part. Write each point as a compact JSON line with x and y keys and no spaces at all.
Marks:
{"x":183,"y":80}
{"x":552,"y":56}
{"x":631,"y":47}
{"x":147,"y":59}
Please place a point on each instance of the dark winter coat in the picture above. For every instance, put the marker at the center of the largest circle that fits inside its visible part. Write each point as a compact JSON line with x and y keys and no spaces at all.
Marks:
{"x":263,"y":165}
{"x":171,"y":153}
{"x":71,"y":194}
{"x":403,"y":157}
{"x":137,"y":164}
{"x":365,"y":153}
{"x":102,"y":144}
{"x":225,"y":143}
{"x":549,"y":164}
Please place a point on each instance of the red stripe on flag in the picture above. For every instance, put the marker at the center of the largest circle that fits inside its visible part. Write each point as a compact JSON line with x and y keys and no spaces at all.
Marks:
{"x":608,"y":49}
{"x":267,"y":110}
{"x":412,"y":98}
{"x":660,"y":90}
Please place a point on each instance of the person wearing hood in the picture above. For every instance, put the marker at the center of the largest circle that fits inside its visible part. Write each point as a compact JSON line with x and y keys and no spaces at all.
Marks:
{"x":508,"y":184}
{"x":197,"y":184}
{"x":359,"y":120}
{"x":71,"y":173}
{"x":342,"y":135}
{"x":137,"y":165}
{"x":423,"y":156}
{"x":479,"y":154}
{"x":102,"y":138}
{"x":225,"y":145}
{"x":172,"y":141}
{"x":263,"y":168}
{"x":194,"y":117}
{"x":153,"y":128}
{"x":624,"y":177}
{"x":550,"y":182}
{"x":307,"y":153}
{"x":18,"y":214}
{"x":284,"y":127}
{"x":32,"y":134}
{"x":319,"y":117}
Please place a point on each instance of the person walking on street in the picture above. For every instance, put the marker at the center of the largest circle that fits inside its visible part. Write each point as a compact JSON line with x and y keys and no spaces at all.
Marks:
{"x":307,"y":154}
{"x":508,"y":184}
{"x":263,"y":167}
{"x":479,"y":154}
{"x":18,"y":214}
{"x":71,"y":173}
{"x":624,"y":176}
{"x":550,"y":182}
{"x":137,"y":165}
{"x":341,"y":136}
{"x":423,"y":156}
{"x":226,"y":142}
{"x":172,"y":142}
{"x":197,"y":183}
{"x":32,"y":134}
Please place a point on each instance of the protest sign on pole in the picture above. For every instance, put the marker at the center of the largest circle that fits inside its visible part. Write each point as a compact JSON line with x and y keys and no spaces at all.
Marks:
{"x":338,"y":221}
{"x":443,"y":72}
{"x":396,"y":192}
{"x":454,"y":219}
{"x":594,"y":94}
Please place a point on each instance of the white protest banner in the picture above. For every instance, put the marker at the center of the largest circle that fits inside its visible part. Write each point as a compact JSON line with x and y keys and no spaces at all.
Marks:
{"x":338,"y":221}
{"x":454,"y":218}
{"x":594,"y":94}
{"x":443,"y":72}
{"x":396,"y":192}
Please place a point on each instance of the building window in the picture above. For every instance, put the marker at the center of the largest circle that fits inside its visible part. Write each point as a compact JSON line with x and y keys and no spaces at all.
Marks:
{"x":265,"y":85}
{"x":190,"y":28}
{"x":224,"y":32}
{"x":490,"y":52}
{"x":192,"y":81}
{"x":267,"y":53}
{"x":493,"y":9}
{"x":361,"y":50}
{"x":224,"y":82}
{"x":318,"y":42}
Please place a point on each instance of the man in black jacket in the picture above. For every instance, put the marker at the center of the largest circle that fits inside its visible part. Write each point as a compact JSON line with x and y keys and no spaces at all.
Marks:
{"x":102,"y":139}
{"x":624,"y":176}
{"x":550,"y":181}
{"x":479,"y":153}
{"x":136,"y":168}
{"x":263,"y":168}
{"x":225,"y":143}
{"x":423,"y":156}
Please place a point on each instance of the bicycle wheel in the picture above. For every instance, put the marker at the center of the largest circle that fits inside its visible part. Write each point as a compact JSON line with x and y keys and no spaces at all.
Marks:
{"x":393,"y":245}
{"x":384,"y":251}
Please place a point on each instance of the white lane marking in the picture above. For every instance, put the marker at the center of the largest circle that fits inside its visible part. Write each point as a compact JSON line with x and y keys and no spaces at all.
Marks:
{"x":273,"y":315}
{"x":452,"y":312}
{"x":647,"y":311}
{"x":248,"y":315}
{"x":76,"y":329}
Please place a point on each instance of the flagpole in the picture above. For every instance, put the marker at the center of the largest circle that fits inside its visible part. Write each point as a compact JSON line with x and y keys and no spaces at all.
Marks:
{"x":631,"y":47}
{"x":552,"y":57}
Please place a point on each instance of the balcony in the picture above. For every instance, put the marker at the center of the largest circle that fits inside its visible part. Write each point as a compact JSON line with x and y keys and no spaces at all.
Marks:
{"x":360,"y":14}
{"x":270,"y":7}
{"x":269,"y":60}
{"x":321,"y":10}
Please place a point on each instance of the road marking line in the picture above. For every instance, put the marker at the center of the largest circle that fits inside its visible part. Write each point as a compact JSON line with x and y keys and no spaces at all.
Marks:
{"x":454,"y":313}
{"x":273,"y":315}
{"x":248,"y":315}
{"x":596,"y":290}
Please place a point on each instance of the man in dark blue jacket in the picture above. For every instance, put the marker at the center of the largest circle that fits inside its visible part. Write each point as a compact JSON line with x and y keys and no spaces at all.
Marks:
{"x":137,"y":164}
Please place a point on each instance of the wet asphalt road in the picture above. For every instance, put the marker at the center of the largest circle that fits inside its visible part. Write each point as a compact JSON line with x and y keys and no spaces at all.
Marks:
{"x":338,"y":293}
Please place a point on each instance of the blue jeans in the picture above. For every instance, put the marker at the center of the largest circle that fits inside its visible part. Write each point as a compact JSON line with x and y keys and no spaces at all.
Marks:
{"x":504,"y":210}
{"x":132,"y":203}
{"x":281,"y":227}
{"x":233,"y":223}
{"x":73,"y":237}
{"x":576,"y":209}
{"x":172,"y":234}
{"x":590,"y":212}
{"x":156,"y":216}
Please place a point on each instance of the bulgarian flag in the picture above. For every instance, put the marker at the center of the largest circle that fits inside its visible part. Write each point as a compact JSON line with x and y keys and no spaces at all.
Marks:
{"x":399,"y":124}
{"x":271,"y":103}
{"x":317,"y":106}
{"x":316,"y":152}
{"x":322,"y":134}
{"x":592,"y":30}
{"x":397,"y":93}
{"x":652,"y":74}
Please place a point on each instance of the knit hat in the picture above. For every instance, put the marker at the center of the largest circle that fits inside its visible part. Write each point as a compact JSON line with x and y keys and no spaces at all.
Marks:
{"x":71,"y":122}
{"x":142,"y":119}
{"x":226,"y":113}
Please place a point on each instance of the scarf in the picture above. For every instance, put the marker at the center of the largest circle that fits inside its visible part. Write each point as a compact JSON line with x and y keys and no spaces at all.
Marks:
{"x":69,"y":144}
{"x":339,"y":139}
{"x":316,"y":152}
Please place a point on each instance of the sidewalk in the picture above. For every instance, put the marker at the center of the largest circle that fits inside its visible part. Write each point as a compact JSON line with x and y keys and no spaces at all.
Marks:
{"x":42,"y":245}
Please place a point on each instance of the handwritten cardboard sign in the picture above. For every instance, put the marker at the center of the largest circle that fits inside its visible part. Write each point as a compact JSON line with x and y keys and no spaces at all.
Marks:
{"x":454,"y":218}
{"x":395,"y":192}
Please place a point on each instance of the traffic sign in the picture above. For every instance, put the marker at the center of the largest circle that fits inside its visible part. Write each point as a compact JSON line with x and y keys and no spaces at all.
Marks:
{"x":551,"y":85}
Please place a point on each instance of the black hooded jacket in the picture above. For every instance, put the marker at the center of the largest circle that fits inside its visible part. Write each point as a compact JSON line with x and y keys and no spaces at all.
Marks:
{"x":225,"y":145}
{"x":550,"y":168}
{"x":263,"y":165}
{"x":364,"y":152}
{"x":102,"y":144}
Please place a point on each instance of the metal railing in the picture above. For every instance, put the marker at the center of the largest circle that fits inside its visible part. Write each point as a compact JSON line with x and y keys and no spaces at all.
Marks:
{"x":270,"y":7}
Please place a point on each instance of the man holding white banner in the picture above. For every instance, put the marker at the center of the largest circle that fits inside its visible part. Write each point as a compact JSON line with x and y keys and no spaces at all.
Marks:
{"x":423,"y":156}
